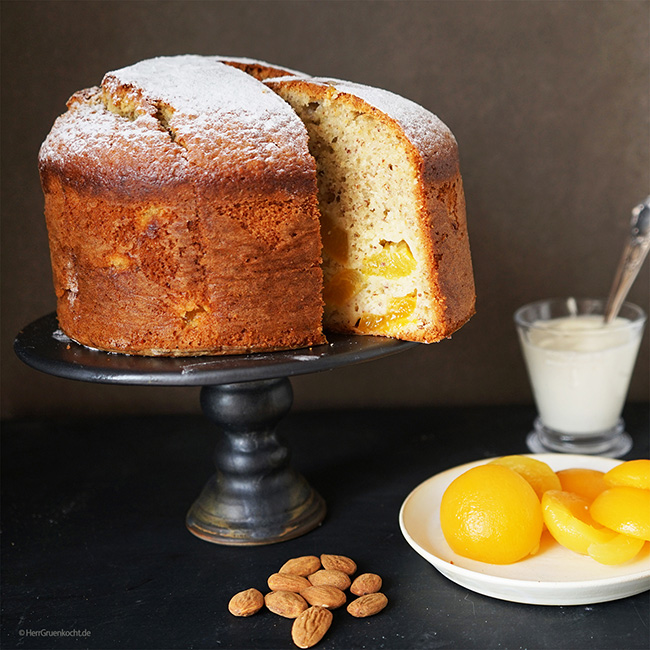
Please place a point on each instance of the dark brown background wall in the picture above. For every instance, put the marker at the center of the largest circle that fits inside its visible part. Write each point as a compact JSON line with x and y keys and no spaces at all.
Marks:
{"x":548,"y":101}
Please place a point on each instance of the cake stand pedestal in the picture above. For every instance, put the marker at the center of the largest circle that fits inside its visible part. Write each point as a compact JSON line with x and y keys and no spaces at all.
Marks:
{"x":255,"y":496}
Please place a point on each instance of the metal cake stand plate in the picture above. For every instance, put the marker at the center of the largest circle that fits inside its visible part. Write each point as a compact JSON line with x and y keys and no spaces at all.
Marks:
{"x":255,"y":496}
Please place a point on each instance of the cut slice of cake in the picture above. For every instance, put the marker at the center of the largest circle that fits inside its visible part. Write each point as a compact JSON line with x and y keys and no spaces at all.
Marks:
{"x":396,"y":256}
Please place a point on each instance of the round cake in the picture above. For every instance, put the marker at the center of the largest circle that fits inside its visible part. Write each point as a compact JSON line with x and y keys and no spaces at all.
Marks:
{"x":214,"y":205}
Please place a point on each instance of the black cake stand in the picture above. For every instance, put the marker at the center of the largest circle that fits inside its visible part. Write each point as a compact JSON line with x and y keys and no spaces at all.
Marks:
{"x":255,"y":496}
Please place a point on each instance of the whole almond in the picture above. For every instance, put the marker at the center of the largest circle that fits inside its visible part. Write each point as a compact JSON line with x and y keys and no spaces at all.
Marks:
{"x":287,"y":582}
{"x":338,"y":563}
{"x":367,"y":605}
{"x":301,"y":566}
{"x":324,"y":596}
{"x":285,"y":603}
{"x":366,"y":583}
{"x":310,"y":626}
{"x":330,"y":577}
{"x":246,"y":603}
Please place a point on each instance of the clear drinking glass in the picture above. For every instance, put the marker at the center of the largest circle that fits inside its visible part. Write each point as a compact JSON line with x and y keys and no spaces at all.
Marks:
{"x":580,"y":371}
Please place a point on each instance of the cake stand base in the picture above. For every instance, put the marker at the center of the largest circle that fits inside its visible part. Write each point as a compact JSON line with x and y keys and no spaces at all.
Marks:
{"x":254,"y":497}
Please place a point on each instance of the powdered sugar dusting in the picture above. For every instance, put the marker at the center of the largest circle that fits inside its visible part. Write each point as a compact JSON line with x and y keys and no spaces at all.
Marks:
{"x":149,"y":121}
{"x":203,"y":86}
{"x":112,"y":150}
{"x":421,"y":127}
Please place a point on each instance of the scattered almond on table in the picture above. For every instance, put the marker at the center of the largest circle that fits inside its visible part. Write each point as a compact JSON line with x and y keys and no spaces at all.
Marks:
{"x":246,"y":603}
{"x":331,"y":578}
{"x":310,"y":627}
{"x":368,"y":605}
{"x":288,"y":604}
{"x":366,"y":583}
{"x":325,"y":596}
{"x":301,"y":566}
{"x":287,"y":582}
{"x":307,"y":589}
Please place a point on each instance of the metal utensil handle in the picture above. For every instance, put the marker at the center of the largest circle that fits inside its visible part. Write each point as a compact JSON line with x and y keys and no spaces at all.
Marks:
{"x":632,"y":259}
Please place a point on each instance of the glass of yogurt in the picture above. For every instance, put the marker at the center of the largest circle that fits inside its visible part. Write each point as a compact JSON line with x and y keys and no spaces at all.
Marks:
{"x":579,"y":369}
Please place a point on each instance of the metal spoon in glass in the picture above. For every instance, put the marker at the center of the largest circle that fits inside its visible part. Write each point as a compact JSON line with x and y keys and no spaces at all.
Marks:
{"x":634,"y":253}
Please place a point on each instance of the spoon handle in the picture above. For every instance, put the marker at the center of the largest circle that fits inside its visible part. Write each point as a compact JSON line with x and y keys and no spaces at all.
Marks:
{"x":632,"y":259}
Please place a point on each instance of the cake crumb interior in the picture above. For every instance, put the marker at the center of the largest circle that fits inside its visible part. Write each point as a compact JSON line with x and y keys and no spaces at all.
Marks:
{"x":367,"y":192}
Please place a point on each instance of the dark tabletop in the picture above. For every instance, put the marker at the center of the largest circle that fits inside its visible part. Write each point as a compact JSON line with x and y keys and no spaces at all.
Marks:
{"x":95,"y":553}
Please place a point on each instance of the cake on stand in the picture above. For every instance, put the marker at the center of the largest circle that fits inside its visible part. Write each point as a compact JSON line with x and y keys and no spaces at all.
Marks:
{"x":255,"y":496}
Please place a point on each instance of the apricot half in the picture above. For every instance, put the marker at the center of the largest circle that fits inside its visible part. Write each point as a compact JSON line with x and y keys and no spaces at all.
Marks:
{"x":617,"y":550}
{"x":567,"y":518}
{"x":491,"y":514}
{"x":587,"y":483}
{"x":634,"y":473}
{"x":623,"y":509}
{"x":540,"y":476}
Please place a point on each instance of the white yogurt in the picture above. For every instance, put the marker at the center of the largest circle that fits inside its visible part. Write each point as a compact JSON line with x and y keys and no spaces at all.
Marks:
{"x":580,"y":370}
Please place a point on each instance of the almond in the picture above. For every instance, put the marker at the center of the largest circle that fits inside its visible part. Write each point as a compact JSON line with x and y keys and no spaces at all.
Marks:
{"x":246,"y":603}
{"x":324,"y":596}
{"x":310,"y":627}
{"x":301,"y":566}
{"x":338,"y":563}
{"x":330,"y":577}
{"x":366,"y":583}
{"x":367,"y":605}
{"x":285,"y":603}
{"x":287,"y":582}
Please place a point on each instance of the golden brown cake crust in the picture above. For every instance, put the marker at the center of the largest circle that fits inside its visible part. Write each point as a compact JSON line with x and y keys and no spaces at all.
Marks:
{"x":182,"y":223}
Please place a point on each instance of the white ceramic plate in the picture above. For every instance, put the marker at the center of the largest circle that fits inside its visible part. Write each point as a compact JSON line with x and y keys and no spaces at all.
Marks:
{"x":554,"y":576}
